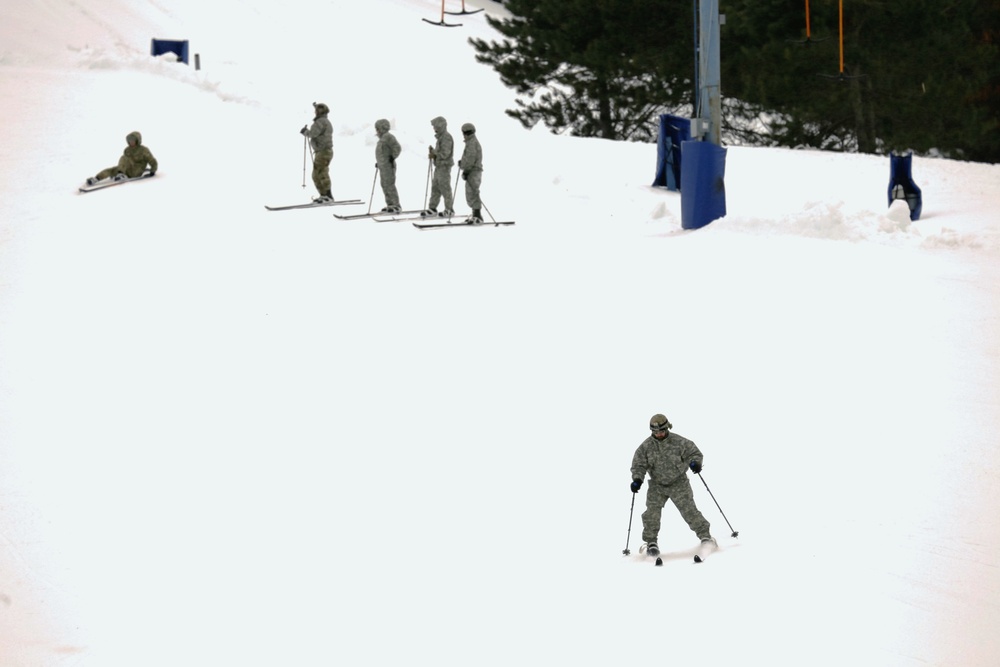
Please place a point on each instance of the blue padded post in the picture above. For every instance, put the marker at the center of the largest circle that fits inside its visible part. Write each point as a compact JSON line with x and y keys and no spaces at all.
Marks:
{"x":901,"y":185}
{"x":703,"y":198}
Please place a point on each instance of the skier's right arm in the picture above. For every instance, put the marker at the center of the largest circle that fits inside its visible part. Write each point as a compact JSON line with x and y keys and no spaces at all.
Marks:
{"x":639,"y":467}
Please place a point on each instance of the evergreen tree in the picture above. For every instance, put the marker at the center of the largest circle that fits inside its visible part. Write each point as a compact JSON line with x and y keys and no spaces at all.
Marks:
{"x":922,"y":74}
{"x":916,"y":75}
{"x":601,"y":68}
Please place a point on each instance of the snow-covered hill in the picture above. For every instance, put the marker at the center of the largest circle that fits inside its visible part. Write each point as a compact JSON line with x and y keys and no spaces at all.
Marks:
{"x":231,"y":436}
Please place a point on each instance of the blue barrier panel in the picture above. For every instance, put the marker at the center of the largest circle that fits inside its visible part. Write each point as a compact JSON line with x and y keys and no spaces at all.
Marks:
{"x":901,"y":185}
{"x":177,"y":47}
{"x":703,"y":172}
{"x":674,"y":130}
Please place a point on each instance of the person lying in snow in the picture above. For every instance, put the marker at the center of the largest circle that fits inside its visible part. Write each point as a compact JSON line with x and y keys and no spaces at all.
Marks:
{"x":131,"y":164}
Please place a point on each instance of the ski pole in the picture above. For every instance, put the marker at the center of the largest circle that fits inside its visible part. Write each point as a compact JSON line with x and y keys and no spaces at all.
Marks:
{"x":372,"y":195}
{"x":305,"y":145}
{"x":629,"y":536}
{"x":488,"y":212}
{"x":427,"y":186}
{"x":736,"y":533}
{"x":454,"y":190}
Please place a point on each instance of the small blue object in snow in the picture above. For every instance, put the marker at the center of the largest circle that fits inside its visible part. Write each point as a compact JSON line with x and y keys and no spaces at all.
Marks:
{"x":901,"y":185}
{"x":177,"y":47}
{"x":674,"y":130}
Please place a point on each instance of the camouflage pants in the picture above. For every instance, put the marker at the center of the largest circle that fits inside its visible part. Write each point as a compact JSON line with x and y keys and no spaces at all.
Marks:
{"x":441,"y":187}
{"x":679,"y":492}
{"x":387,"y":179}
{"x":321,"y":171}
{"x":472,"y":184}
{"x":124,"y":167}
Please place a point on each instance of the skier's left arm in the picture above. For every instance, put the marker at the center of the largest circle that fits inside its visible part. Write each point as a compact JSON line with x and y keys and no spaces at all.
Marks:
{"x":694,"y":457}
{"x":151,"y":161}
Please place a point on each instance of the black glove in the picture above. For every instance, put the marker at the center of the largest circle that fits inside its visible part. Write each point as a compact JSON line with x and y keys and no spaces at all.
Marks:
{"x":635,"y":485}
{"x":392,"y":161}
{"x":695,"y":467}
{"x":465,"y":175}
{"x":151,"y":174}
{"x":305,"y":128}
{"x":430,"y":152}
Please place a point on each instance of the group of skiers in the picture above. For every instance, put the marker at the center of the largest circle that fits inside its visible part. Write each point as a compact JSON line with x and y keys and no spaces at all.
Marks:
{"x":441,"y":156}
{"x":664,"y":456}
{"x":137,"y":159}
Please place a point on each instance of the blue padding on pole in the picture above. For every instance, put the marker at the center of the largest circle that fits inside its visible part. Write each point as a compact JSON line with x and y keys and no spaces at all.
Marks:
{"x":673,"y":131}
{"x":901,"y":185}
{"x":175,"y":46}
{"x":703,"y":172}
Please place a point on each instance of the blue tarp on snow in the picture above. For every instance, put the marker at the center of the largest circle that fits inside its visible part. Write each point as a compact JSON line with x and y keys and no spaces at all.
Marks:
{"x":177,"y":47}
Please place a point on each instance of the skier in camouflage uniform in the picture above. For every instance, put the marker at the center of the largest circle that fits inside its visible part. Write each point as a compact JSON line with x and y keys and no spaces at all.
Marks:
{"x":320,"y":135}
{"x":667,"y":457}
{"x":386,"y":151}
{"x":131,"y":164}
{"x":442,"y":154}
{"x":471,"y":165}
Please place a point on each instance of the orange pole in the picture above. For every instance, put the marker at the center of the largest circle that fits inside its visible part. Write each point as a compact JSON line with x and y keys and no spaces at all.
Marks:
{"x":841,"y":36}
{"x":808,"y":31}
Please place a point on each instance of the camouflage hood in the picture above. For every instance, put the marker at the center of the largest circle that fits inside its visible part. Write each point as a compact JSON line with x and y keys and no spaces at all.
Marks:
{"x":134,"y":136}
{"x":439,"y":124}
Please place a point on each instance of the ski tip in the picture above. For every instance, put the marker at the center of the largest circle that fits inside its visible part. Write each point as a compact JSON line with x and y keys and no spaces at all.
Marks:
{"x":659,"y":562}
{"x":697,"y":559}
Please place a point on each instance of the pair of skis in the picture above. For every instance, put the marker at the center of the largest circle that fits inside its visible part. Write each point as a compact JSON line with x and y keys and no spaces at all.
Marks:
{"x":436,"y":222}
{"x":109,"y":182}
{"x":377,"y":216}
{"x":316,"y":204}
{"x":704,"y":550}
{"x":464,"y":223}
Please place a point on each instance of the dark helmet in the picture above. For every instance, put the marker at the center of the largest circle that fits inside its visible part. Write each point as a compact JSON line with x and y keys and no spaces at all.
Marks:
{"x":659,"y":422}
{"x":321,"y":109}
{"x":468,"y":128}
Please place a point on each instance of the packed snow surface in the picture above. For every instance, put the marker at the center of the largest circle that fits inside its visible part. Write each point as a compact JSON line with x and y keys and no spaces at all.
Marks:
{"x":230,"y":436}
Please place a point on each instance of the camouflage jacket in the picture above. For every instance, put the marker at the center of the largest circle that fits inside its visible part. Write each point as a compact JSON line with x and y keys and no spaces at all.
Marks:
{"x":321,"y":134}
{"x":444,"y":149}
{"x":387,"y":150}
{"x":665,"y":460}
{"x":135,"y":157}
{"x":134,"y":160}
{"x":472,"y":156}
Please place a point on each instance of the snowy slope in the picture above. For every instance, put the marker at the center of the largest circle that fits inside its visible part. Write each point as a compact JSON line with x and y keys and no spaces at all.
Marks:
{"x":230,"y":436}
